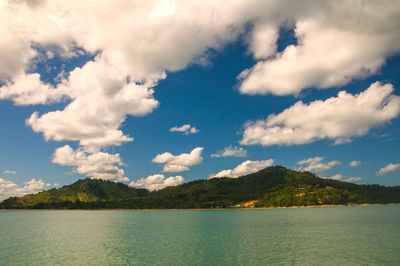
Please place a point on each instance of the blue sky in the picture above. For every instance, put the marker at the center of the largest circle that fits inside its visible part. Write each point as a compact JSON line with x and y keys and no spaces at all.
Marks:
{"x":257,"y":84}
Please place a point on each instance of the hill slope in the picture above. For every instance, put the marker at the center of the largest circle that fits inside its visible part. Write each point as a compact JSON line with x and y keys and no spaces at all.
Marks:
{"x":273,"y":186}
{"x":87,"y":193}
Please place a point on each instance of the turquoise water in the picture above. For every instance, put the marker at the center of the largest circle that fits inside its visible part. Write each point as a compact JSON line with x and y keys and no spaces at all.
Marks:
{"x":366,"y":235}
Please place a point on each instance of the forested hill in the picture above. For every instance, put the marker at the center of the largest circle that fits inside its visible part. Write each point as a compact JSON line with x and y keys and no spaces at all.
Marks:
{"x":273,"y":186}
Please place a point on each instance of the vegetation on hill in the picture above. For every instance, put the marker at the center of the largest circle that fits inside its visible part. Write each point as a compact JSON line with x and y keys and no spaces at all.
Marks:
{"x":85,"y":193}
{"x":273,"y":186}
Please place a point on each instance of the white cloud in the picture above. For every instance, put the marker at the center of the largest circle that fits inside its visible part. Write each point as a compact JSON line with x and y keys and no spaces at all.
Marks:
{"x":231,"y":152}
{"x":336,"y":177}
{"x":388,"y":168}
{"x":349,"y":49}
{"x":193,"y":130}
{"x":146,"y":47}
{"x":102,"y":97}
{"x":157,"y":182}
{"x":9,"y":172}
{"x":193,"y":28}
{"x":316,"y":164}
{"x":27,"y":89}
{"x":179,"y":163}
{"x":98,"y":165}
{"x":354,"y":163}
{"x":15,"y":49}
{"x":352,"y":179}
{"x":341,"y":177}
{"x":10,"y":189}
{"x":185,"y":129}
{"x":247,"y":167}
{"x":339,"y":118}
{"x":263,"y":41}
{"x":333,"y":47}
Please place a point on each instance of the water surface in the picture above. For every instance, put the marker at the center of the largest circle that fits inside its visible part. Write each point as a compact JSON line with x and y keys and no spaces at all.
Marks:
{"x":311,"y":236}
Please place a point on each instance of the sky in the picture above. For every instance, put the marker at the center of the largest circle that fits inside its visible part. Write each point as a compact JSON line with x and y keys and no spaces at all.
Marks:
{"x":158,"y":93}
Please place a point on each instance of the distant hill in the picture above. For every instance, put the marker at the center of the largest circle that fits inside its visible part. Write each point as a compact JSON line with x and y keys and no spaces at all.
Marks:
{"x":273,"y":186}
{"x":87,"y":193}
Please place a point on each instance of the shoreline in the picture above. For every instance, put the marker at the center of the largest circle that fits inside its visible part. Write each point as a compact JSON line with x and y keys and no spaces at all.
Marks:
{"x":212,"y":209}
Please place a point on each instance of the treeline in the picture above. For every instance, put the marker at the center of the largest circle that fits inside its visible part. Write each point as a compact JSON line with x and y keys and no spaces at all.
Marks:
{"x":273,"y":186}
{"x":307,"y":195}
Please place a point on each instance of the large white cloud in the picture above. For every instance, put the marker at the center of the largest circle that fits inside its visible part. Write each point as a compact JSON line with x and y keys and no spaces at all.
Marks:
{"x":339,"y":118}
{"x":142,"y":38}
{"x":316,"y":164}
{"x":263,"y":40}
{"x":101,"y":99}
{"x":388,"y":168}
{"x":163,"y":35}
{"x":98,"y":165}
{"x":247,"y":167}
{"x":181,"y":162}
{"x":10,"y":189}
{"x":157,"y":182}
{"x":336,"y":44}
{"x":27,"y":89}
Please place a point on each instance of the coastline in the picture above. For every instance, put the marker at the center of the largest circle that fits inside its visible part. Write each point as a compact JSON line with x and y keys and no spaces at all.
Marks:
{"x":213,"y":209}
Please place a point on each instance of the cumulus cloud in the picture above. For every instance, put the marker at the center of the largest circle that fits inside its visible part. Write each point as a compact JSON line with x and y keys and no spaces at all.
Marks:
{"x":336,"y":177}
{"x":10,"y":189}
{"x":185,"y":129}
{"x":157,"y":182}
{"x":339,"y":118}
{"x":102,"y":97}
{"x":231,"y":152}
{"x":15,"y":49}
{"x":349,"y":49}
{"x":27,"y":89}
{"x":352,"y":179}
{"x":388,"y":168}
{"x":9,"y":172}
{"x":97,"y":165}
{"x":332,"y":48}
{"x":341,"y":177}
{"x":181,"y":162}
{"x":247,"y":167}
{"x":316,"y":164}
{"x":63,"y":27}
{"x":197,"y":27}
{"x":354,"y":163}
{"x":263,"y":41}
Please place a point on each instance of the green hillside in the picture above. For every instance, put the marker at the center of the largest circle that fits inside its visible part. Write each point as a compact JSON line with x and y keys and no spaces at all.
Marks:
{"x":81,"y":194}
{"x":273,"y":186}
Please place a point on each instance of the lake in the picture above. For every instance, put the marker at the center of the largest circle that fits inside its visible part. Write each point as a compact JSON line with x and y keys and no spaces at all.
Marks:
{"x":305,"y":236}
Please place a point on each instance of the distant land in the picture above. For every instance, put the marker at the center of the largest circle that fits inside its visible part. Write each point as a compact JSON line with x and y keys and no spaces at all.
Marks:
{"x":271,"y":187}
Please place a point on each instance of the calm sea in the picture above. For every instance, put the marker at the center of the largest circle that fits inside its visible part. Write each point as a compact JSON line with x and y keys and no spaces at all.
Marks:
{"x":366,"y":235}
